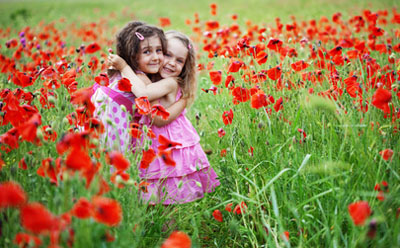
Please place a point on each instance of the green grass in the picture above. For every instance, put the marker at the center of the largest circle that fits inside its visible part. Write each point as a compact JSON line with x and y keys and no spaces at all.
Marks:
{"x":300,"y":187}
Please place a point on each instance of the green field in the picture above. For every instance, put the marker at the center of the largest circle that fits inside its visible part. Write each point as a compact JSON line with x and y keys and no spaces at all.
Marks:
{"x":297,"y":166}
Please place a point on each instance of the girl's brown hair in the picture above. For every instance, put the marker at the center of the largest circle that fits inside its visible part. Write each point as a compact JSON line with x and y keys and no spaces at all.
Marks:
{"x":188,"y":76}
{"x":129,"y":38}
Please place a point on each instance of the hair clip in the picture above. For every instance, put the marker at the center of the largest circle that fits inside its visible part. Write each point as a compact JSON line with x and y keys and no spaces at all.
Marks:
{"x":139,"y":35}
{"x":189,"y":46}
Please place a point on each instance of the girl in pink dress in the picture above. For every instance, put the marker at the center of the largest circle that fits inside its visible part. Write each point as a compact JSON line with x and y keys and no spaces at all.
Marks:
{"x":142,"y":46}
{"x":191,"y":176}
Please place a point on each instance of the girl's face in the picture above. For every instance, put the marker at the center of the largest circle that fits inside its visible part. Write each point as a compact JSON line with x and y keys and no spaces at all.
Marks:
{"x":174,"y":59}
{"x":150,"y":55}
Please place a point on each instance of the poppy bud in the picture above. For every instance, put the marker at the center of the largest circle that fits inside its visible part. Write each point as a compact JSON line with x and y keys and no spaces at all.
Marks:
{"x":39,"y":134}
{"x":146,"y":145}
{"x":65,"y":121}
{"x":52,"y":100}
{"x":130,"y":182}
{"x":153,"y":198}
{"x":109,"y":121}
{"x":95,"y":141}
{"x":145,"y":129}
{"x":123,"y":108}
{"x":180,"y":184}
{"x":99,"y":100}
{"x":65,"y":176}
{"x":119,"y":180}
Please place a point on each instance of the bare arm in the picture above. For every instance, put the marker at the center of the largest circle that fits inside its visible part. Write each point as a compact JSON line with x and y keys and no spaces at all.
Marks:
{"x":139,"y":88}
{"x":174,"y":111}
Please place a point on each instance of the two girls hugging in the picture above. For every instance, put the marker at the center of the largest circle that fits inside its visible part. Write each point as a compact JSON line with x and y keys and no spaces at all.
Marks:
{"x":163,"y":68}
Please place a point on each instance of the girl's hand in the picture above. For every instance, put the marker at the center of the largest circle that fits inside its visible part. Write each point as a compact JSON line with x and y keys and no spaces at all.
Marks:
{"x":116,"y":61}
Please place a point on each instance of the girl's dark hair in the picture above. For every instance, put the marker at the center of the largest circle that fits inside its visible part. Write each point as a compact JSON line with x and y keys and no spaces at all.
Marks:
{"x":128,"y":43}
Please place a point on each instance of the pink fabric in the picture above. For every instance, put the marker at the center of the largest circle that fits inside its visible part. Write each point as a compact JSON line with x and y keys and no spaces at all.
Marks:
{"x":108,"y":103}
{"x":115,"y":96}
{"x":190,"y":178}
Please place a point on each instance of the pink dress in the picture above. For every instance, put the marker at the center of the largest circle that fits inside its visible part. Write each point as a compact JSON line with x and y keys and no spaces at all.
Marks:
{"x":108,"y":102}
{"x":192,"y":175}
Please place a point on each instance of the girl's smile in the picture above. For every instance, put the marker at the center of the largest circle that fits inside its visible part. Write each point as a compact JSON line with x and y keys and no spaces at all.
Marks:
{"x":174,"y":59}
{"x":151,"y":55}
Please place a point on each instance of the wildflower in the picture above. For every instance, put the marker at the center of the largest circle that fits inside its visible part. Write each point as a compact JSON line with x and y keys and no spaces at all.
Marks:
{"x":107,"y":211}
{"x":177,"y":239}
{"x":359,"y":212}
{"x":11,"y":195}
{"x":217,"y":215}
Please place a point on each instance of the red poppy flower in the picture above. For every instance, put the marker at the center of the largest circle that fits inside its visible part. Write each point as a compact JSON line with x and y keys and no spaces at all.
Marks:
{"x":107,"y":211}
{"x":251,"y":151}
{"x":359,"y":212}
{"x":22,"y":164}
{"x":165,"y":143}
{"x":386,"y":154}
{"x":150,"y":133}
{"x":285,"y":236}
{"x":118,"y":160}
{"x":159,"y":110}
{"x":164,"y":22}
{"x":216,"y":77}
{"x":213,"y":8}
{"x":228,"y":207}
{"x":217,"y":215}
{"x":240,"y":94}
{"x":212,"y":25}
{"x":11,"y":195}
{"x":23,"y":80}
{"x":36,"y":218}
{"x":228,"y":80}
{"x":213,"y":89}
{"x":143,"y":186}
{"x":278,"y":104}
{"x":28,"y":129}
{"x":177,"y":239}
{"x":381,"y":99}
{"x":275,"y":44}
{"x":78,"y":159}
{"x":82,"y":209}
{"x":166,"y":157}
{"x":49,"y":169}
{"x":299,"y":65}
{"x":221,"y":132}
{"x":335,"y":51}
{"x":227,"y":117}
{"x":223,"y":153}
{"x":240,"y":208}
{"x":92,"y":48}
{"x":274,"y":73}
{"x":124,"y":85}
{"x":143,"y":105}
{"x":147,"y":158}
{"x":93,"y":125}
{"x":262,"y":57}
{"x":259,"y":100}
{"x":27,"y":240}
{"x":108,"y":236}
{"x":102,"y":79}
{"x":235,"y":66}
{"x":135,"y":130}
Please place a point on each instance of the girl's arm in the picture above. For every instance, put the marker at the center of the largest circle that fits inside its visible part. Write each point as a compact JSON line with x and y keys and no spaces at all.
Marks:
{"x":152,"y":91}
{"x":174,"y":111}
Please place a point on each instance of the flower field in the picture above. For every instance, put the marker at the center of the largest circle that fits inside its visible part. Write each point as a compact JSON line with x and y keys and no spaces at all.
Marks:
{"x":299,"y":117}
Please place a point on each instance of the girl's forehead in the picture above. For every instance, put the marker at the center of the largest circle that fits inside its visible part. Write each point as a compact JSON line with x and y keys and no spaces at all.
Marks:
{"x":153,"y":41}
